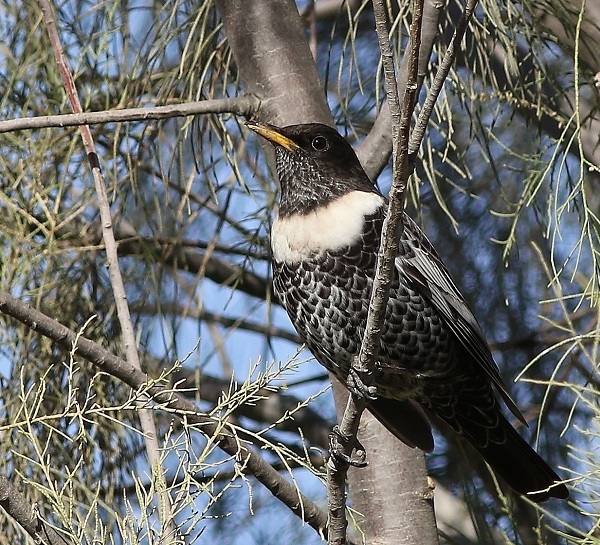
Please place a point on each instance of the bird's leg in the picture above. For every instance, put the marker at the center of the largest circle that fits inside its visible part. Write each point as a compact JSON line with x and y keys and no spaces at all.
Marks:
{"x":359,"y":384}
{"x":338,"y":445}
{"x":344,"y":445}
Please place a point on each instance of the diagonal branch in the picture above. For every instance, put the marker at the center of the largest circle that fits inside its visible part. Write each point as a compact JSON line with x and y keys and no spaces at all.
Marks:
{"x":402,"y":171}
{"x":365,"y":363}
{"x":173,"y":402}
{"x":440,"y":77}
{"x":375,"y":150}
{"x":270,"y":406}
{"x":146,"y":418}
{"x":20,"y":509}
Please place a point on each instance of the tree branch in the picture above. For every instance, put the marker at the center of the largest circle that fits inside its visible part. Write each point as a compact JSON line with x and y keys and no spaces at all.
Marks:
{"x":375,"y":150}
{"x":244,"y":105}
{"x":272,"y":407}
{"x":365,"y":363}
{"x":170,"y":401}
{"x":116,"y":280}
{"x":440,"y":77}
{"x":16,"y":506}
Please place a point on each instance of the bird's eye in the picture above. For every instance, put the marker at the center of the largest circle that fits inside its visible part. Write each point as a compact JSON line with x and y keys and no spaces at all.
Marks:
{"x":320,"y":143}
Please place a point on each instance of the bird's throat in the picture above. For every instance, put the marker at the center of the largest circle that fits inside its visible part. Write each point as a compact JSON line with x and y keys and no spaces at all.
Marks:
{"x":298,"y":237}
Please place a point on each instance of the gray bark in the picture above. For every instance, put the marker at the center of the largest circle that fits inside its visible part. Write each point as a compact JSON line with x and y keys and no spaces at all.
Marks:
{"x":392,"y":492}
{"x":275,"y":63}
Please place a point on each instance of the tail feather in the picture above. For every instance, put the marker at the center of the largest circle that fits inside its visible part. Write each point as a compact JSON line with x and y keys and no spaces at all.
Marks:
{"x":509,"y":455}
{"x":521,"y":467}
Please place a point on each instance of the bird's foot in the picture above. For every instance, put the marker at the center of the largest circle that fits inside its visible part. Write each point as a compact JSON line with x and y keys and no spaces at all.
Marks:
{"x":337,"y":449}
{"x":358,"y":384}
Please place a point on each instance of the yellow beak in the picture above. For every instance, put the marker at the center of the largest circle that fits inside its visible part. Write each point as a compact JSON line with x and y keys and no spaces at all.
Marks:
{"x":272,"y":134}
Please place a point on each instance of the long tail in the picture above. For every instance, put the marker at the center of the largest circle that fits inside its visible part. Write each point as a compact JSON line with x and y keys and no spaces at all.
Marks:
{"x":499,"y":443}
{"x":522,"y":467}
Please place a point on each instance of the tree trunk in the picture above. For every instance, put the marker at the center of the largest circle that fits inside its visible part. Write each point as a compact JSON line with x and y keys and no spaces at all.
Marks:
{"x":392,"y":492}
{"x":275,"y":63}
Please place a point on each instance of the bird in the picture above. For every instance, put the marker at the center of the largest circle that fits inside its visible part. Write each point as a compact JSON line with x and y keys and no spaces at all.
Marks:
{"x":432,"y":358}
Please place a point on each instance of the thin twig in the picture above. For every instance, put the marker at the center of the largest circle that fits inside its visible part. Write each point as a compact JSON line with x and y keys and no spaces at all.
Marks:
{"x":268,"y":406}
{"x":169,"y":400}
{"x":402,"y":170}
{"x":440,"y":77}
{"x":375,"y":150}
{"x":244,"y":105}
{"x":146,"y":417}
{"x":364,"y":364}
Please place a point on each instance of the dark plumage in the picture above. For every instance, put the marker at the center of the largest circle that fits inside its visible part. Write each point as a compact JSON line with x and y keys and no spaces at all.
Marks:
{"x":433,"y":354}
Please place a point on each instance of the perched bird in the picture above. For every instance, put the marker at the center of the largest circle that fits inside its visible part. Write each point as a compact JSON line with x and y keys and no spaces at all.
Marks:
{"x":433,"y":356}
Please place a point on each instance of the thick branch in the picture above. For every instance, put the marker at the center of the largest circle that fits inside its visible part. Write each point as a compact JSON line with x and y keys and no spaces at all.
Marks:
{"x":274,"y":61}
{"x":16,"y":505}
{"x":560,"y":18}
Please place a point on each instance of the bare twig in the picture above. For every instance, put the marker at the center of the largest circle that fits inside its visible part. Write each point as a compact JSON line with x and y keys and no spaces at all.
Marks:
{"x":268,"y":407}
{"x":336,"y":473}
{"x":146,"y":418}
{"x":244,"y":105}
{"x":440,"y":77}
{"x":171,"y":401}
{"x":402,"y":171}
{"x":375,"y":150}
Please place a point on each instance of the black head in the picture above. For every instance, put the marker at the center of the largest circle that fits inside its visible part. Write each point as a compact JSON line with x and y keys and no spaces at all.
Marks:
{"x":315,"y":165}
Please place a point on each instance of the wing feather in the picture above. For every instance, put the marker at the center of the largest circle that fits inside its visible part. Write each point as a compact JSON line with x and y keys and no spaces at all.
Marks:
{"x":423,"y":270}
